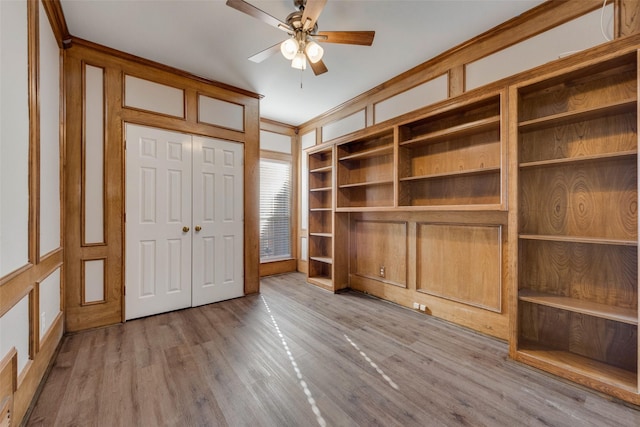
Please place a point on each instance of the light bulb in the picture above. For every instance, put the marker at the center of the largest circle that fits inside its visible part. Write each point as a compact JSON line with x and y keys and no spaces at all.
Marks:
{"x":299,"y":61}
{"x":314,"y":51}
{"x":289,"y":48}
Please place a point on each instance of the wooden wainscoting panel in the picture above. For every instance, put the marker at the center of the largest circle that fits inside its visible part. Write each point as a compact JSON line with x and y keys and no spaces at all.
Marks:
{"x":380,"y":251}
{"x":8,"y":366}
{"x":461,"y":262}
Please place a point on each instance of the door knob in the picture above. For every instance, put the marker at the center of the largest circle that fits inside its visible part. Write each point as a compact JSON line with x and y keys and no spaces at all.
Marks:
{"x":185,"y":229}
{"x":198,"y":228}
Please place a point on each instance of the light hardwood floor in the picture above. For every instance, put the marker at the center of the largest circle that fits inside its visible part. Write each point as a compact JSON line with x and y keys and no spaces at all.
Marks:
{"x":299,"y":356}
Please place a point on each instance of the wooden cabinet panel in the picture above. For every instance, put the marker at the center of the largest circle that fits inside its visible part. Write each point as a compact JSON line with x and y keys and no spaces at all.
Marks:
{"x":380,"y":251}
{"x":460,"y":262}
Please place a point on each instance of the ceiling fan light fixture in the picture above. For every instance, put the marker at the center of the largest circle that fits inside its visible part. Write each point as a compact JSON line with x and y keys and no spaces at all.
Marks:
{"x":314,"y":51}
{"x":289,"y":48}
{"x":299,"y":61}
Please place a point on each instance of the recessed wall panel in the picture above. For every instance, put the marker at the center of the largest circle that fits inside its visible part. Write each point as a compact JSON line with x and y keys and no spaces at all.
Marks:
{"x":352,"y":123}
{"x":49,"y":76}
{"x":14,"y":137}
{"x":381,"y":251}
{"x":303,"y":249}
{"x":272,"y":141}
{"x":476,"y":253}
{"x":417,"y":97}
{"x":151,"y":96}
{"x":93,"y":281}
{"x":14,"y":331}
{"x":93,"y":160}
{"x":220,"y":113}
{"x":49,"y":292}
{"x":307,"y":140}
{"x":576,"y":35}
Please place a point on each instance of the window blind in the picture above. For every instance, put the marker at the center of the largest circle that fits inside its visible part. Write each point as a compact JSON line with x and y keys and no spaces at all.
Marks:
{"x":275,"y":209}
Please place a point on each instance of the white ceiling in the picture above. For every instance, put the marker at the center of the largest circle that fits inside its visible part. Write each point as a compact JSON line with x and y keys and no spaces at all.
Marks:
{"x":209,"y":39}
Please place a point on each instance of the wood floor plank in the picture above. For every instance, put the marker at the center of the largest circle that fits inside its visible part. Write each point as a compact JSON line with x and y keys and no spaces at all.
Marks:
{"x":297,"y":355}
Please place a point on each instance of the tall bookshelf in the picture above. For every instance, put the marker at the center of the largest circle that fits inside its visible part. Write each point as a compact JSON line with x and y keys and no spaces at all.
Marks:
{"x":327,"y":230}
{"x":577,"y":296}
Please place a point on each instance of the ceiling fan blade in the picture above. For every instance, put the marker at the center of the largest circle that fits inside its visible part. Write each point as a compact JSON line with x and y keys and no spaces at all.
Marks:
{"x":312,"y":10}
{"x":318,"y":68}
{"x":251,"y":10}
{"x":363,"y":38}
{"x":262,"y":55}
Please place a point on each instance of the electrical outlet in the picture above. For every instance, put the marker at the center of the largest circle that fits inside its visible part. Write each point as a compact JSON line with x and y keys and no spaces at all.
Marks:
{"x":382,"y":270}
{"x":423,"y":307}
{"x":416,"y":305}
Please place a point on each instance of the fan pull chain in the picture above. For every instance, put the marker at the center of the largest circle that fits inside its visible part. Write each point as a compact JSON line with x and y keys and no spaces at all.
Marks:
{"x":301,"y":79}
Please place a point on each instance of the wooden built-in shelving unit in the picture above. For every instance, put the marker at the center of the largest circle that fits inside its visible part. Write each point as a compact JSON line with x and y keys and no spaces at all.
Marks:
{"x":436,"y":189}
{"x":453,"y":158}
{"x":577,"y":299}
{"x":365,"y":171}
{"x":324,"y":245}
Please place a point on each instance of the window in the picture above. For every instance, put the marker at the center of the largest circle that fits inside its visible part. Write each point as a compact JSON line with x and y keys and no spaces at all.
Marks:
{"x":275,"y":209}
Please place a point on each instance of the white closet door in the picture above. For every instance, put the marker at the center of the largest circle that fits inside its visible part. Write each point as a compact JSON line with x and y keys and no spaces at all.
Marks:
{"x":158,"y":206}
{"x":218,"y":220}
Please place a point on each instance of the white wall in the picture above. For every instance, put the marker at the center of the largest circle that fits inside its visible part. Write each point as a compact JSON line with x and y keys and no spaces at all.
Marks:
{"x":272,"y":141}
{"x":49,"y":137}
{"x":576,"y":35}
{"x":307,"y":140}
{"x":14,"y":137}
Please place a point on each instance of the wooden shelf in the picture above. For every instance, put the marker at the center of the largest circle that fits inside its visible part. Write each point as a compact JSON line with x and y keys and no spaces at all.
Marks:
{"x":466,"y":172}
{"x":321,"y":189}
{"x":322,"y":169}
{"x":320,"y":210}
{"x":577,"y":248}
{"x":591,"y":158}
{"x":576,"y":239}
{"x":464,"y":129}
{"x":603,"y":311}
{"x":617,"y":107}
{"x":570,"y":365}
{"x":372,"y":152}
{"x":323,"y":281}
{"x":367,"y":183}
{"x":321,"y":234}
{"x":325,"y":260}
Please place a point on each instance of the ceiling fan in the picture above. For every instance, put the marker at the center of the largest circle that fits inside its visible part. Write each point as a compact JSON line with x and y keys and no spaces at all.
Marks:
{"x":302,"y":27}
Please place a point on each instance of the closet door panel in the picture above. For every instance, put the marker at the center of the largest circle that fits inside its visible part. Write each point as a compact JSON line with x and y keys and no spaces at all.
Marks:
{"x":218,"y":220}
{"x":158,"y":207}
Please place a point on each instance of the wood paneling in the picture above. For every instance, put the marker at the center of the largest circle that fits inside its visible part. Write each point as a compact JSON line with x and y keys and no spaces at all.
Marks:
{"x":528,"y":24}
{"x":116,"y":66}
{"x":379,"y":251}
{"x":7,"y":387}
{"x":461,"y":262}
{"x":22,"y":282}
